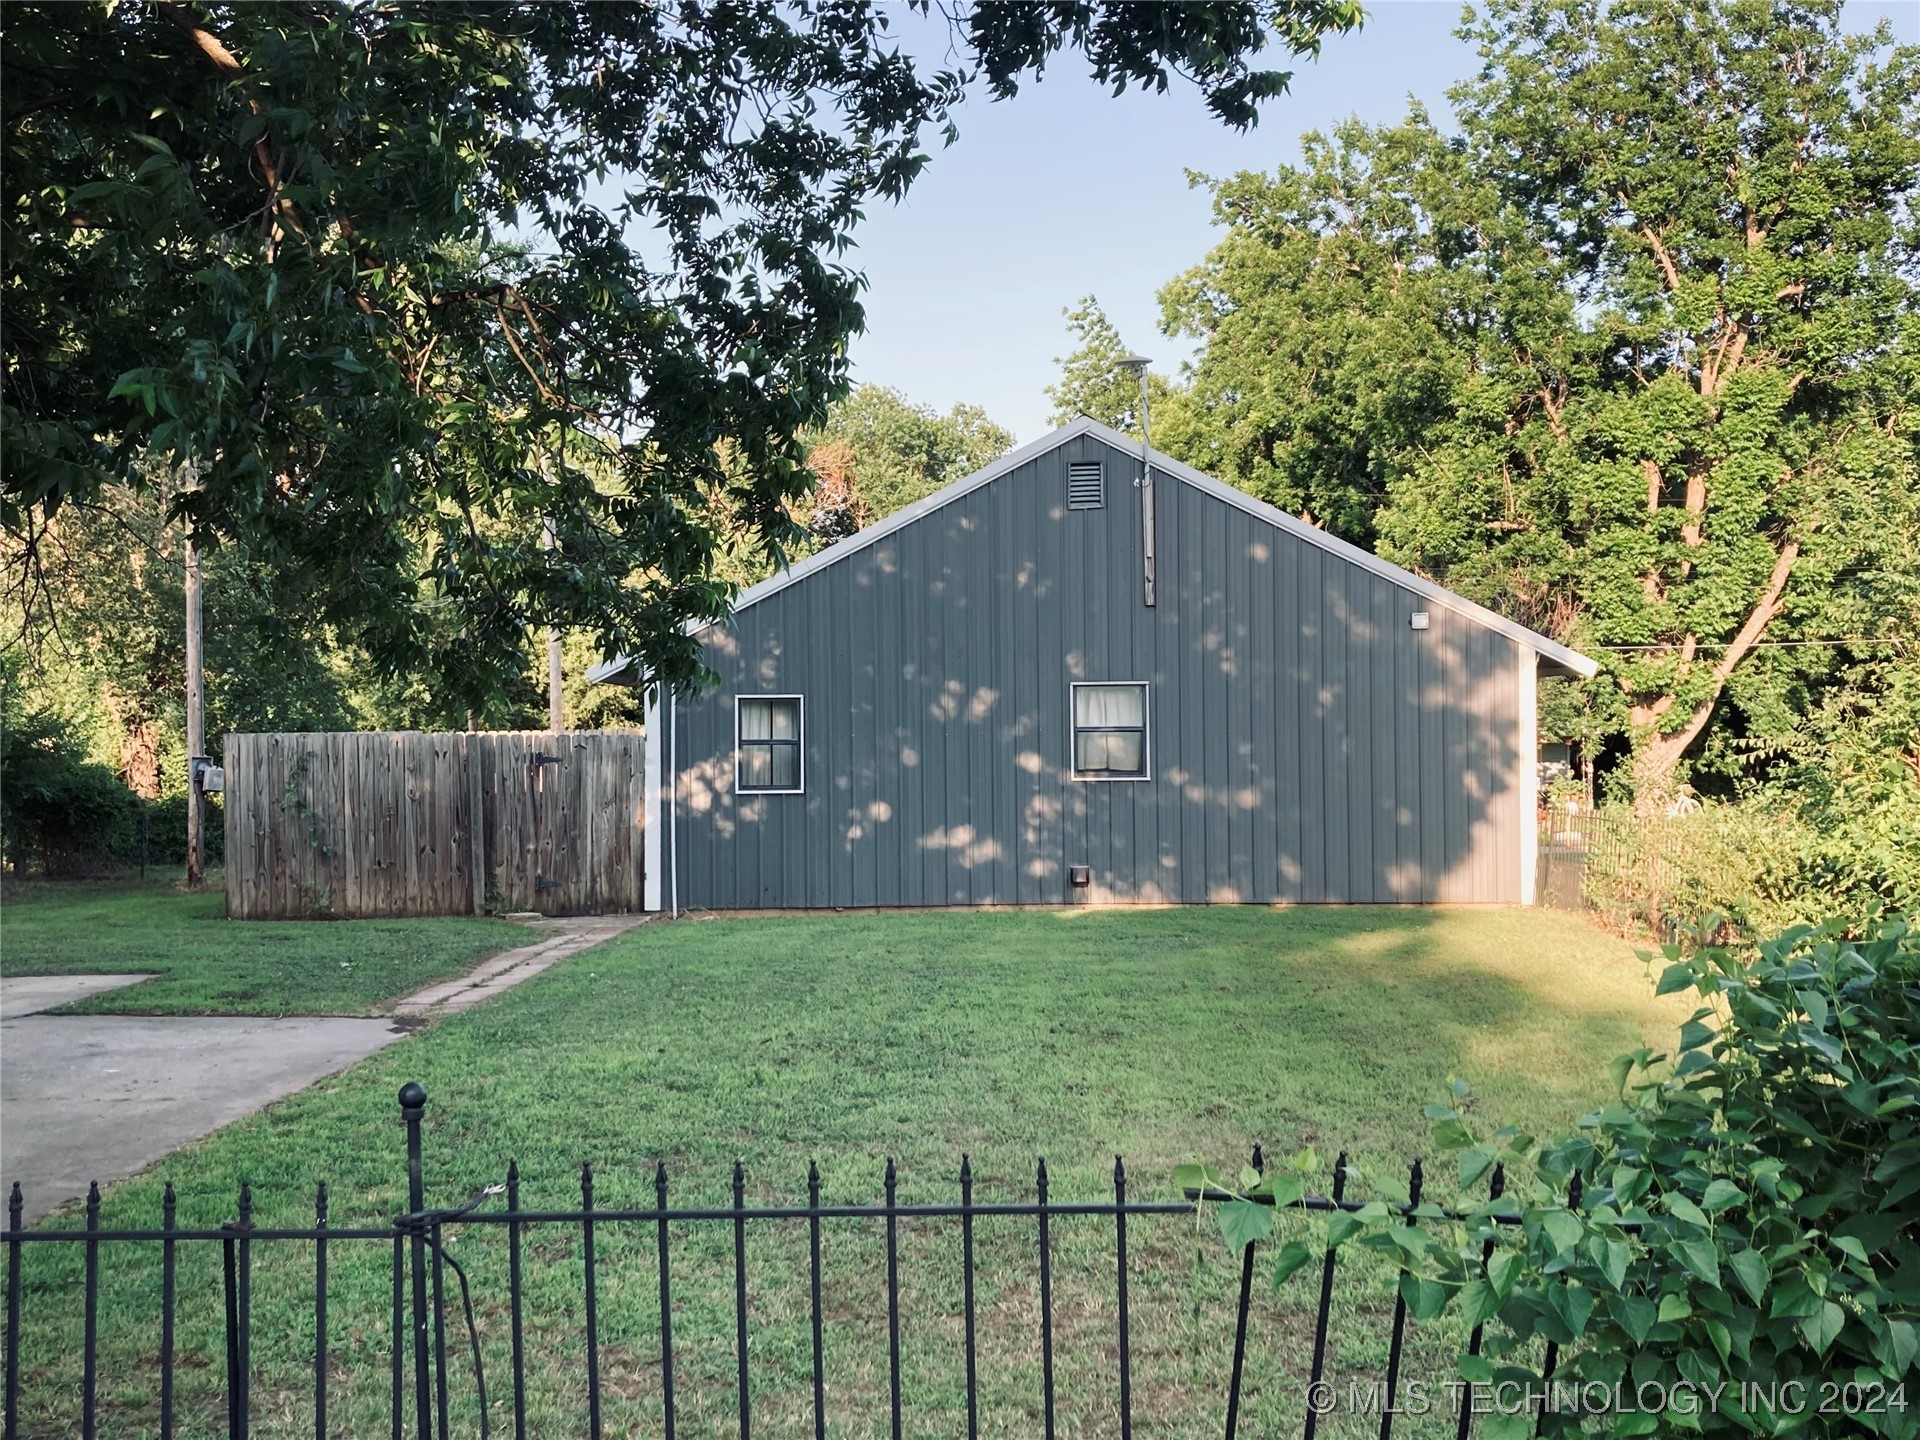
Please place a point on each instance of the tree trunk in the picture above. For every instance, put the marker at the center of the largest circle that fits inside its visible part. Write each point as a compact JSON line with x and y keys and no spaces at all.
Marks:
{"x":1656,"y":757}
{"x":139,"y":740}
{"x":1656,"y":769}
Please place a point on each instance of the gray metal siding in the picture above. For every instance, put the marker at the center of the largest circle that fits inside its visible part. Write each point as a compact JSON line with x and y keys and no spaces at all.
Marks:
{"x":1306,"y":744}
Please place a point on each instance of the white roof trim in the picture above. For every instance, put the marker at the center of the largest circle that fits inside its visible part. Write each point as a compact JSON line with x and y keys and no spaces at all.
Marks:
{"x":926,"y":505}
{"x":609,"y":672}
{"x":1166,"y":465}
{"x":1583,"y":666}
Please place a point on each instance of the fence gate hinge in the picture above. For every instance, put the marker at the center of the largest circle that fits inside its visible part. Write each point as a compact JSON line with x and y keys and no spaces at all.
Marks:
{"x":539,"y":760}
{"x":542,"y":884}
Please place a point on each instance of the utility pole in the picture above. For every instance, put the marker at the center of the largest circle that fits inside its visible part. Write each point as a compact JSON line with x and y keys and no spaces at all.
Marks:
{"x":549,"y":539}
{"x":556,"y":692}
{"x":196,"y":719}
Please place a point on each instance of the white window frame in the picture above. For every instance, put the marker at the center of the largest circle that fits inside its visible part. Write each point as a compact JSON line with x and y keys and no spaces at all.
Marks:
{"x":801,"y":788}
{"x":1073,"y":733}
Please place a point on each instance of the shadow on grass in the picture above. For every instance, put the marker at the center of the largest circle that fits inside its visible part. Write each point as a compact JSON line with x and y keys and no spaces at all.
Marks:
{"x":1160,"y":1034}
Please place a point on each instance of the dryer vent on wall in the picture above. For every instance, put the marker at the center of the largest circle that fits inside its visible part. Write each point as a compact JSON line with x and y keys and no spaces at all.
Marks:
{"x":1086,"y":485}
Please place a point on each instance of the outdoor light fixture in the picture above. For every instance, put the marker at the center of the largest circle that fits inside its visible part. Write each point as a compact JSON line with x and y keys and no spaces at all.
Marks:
{"x":1418,"y":620}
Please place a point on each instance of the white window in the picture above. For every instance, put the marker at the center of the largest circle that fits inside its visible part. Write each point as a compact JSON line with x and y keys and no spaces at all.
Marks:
{"x":1110,"y":731}
{"x":767,"y":758}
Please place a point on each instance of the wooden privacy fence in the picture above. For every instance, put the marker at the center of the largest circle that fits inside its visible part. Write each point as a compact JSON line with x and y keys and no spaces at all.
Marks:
{"x":358,"y":825}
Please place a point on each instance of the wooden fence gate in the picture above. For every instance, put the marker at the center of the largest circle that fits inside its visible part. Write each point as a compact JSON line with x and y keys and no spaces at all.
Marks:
{"x":358,"y":825}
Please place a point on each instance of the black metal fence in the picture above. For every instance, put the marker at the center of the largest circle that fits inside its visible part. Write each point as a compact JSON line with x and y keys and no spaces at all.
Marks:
{"x":428,"y":1365}
{"x":1640,"y":875}
{"x":1572,"y":847}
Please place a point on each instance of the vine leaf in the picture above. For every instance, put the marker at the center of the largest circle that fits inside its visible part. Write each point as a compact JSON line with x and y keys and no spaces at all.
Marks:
{"x":1678,"y":976}
{"x":1823,"y":1327}
{"x":1751,"y":1270}
{"x":1283,"y":1190}
{"x":1701,"y":1258}
{"x":1425,"y":1298}
{"x":1194,"y":1177}
{"x":1478,"y":1301}
{"x":1897,"y":1347}
{"x":1681,"y":1208}
{"x":1502,"y":1269}
{"x":1475,"y":1163}
{"x":1289,"y":1258}
{"x":1243,"y":1222}
{"x":1719,"y":1195}
{"x":1637,"y":1316}
{"x":1340,"y":1226}
{"x":1614,"y":1258}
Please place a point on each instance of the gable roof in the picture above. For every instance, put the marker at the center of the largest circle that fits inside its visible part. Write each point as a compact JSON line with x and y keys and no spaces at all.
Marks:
{"x":1166,"y":466}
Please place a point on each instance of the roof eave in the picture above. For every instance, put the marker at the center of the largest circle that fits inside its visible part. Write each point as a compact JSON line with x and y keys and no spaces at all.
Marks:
{"x":1558,"y":658}
{"x":620,"y":670}
{"x":1551,"y":651}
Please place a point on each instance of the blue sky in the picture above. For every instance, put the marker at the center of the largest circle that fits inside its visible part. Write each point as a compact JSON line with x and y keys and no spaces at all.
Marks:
{"x":1066,"y":191}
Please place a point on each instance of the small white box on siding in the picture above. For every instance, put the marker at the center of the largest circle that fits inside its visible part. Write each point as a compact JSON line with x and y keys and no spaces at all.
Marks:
{"x":1418,"y":620}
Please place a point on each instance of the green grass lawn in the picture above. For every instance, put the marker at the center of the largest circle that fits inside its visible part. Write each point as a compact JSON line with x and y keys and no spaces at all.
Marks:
{"x":205,"y":964}
{"x":1163,"y":1035}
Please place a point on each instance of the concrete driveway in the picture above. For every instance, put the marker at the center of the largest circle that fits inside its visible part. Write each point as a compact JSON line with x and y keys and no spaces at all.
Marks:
{"x":101,"y":1097}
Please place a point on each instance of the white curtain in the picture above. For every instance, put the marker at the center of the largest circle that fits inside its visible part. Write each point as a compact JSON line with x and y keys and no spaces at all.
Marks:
{"x":1099,"y":707}
{"x":769,"y":719}
{"x":1110,"y":729}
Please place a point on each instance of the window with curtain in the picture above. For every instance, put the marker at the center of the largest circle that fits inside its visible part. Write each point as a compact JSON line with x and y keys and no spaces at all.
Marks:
{"x":767,"y":748}
{"x":1110,"y":731}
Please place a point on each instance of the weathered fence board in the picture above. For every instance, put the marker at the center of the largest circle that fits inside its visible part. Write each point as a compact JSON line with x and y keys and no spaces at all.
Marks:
{"x":404,"y":823}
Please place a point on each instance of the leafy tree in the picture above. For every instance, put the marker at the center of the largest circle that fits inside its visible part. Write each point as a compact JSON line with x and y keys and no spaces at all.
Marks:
{"x":104,"y":651}
{"x":1632,"y":358}
{"x":403,"y":283}
{"x":1850,"y":773}
{"x":1325,"y":314}
{"x":1093,"y":384}
{"x":1728,"y":438}
{"x":836,"y":508}
{"x":57,"y":806}
{"x":878,"y":452}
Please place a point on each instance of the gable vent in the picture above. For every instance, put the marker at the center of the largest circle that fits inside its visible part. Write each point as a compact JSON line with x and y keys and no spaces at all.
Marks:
{"x":1086,"y":486}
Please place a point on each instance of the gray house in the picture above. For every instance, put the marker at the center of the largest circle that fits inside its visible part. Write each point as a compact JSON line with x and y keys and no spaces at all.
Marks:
{"x":1073,"y":677}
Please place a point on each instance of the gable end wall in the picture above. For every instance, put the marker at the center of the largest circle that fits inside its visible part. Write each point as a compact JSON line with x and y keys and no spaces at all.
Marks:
{"x":1307,"y":745}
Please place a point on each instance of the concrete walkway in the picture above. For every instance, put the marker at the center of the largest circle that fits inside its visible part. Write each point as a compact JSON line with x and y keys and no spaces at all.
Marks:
{"x":564,"y":938}
{"x":102,"y":1097}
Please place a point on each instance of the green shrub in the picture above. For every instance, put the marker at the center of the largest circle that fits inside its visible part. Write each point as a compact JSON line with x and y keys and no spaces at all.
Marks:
{"x":1862,"y":824}
{"x":1756,"y":866}
{"x":1747,"y":1207}
{"x":1743,"y":1214}
{"x":167,"y":831}
{"x":68,"y":814}
{"x":1852,"y":775}
{"x":1734,"y":869}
